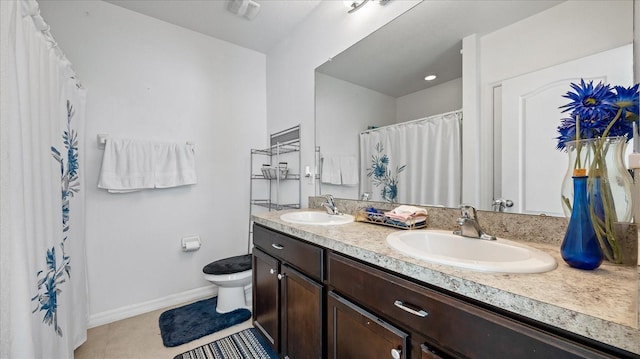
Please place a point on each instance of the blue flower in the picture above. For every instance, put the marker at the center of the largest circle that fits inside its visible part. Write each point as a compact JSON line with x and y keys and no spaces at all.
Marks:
{"x":567,"y":130}
{"x":382,"y":175}
{"x":49,"y":281}
{"x":390,"y":190}
{"x":379,"y":170}
{"x":627,"y":101}
{"x":591,"y":104}
{"x":598,"y":111}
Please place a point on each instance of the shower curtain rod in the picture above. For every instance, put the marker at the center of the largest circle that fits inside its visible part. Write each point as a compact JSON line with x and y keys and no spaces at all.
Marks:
{"x":31,"y":8}
{"x":412,"y":121}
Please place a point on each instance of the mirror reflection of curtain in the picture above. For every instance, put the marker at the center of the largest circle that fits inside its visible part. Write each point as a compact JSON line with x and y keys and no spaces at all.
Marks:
{"x":430,"y":151}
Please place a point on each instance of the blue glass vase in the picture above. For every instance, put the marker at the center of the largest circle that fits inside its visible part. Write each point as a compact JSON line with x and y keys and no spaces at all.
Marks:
{"x":580,"y":247}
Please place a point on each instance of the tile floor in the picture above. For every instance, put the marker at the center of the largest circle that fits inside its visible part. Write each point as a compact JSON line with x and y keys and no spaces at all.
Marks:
{"x":139,"y":338}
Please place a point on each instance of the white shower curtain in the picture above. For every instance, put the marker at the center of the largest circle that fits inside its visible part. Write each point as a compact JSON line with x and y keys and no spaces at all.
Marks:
{"x":43,"y":310}
{"x":416,"y":162}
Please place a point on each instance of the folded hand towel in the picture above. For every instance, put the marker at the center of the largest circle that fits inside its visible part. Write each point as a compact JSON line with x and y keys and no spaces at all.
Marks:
{"x":129,"y":165}
{"x":407,"y":213}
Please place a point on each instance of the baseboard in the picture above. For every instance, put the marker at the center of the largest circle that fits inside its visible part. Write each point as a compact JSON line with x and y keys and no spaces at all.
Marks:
{"x":129,"y":311}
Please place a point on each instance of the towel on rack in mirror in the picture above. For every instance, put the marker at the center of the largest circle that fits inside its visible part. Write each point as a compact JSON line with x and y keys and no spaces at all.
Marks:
{"x":339,"y":170}
{"x":349,"y":170}
{"x":131,"y":165}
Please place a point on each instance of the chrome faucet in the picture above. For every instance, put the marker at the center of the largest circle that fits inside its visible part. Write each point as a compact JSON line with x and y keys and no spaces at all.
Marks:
{"x":469,"y":226}
{"x":499,"y":205}
{"x":330,"y":205}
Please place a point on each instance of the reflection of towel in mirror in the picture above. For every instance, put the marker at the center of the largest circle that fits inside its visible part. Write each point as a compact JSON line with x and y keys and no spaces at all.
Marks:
{"x":349,"y":170}
{"x":331,"y":170}
{"x":339,"y":170}
{"x":129,"y":165}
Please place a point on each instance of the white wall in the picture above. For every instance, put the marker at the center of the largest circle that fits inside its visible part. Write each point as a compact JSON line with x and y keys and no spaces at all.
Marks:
{"x":290,"y":65}
{"x":344,"y":110}
{"x":148,"y":79}
{"x":565,"y":32}
{"x":445,"y":97}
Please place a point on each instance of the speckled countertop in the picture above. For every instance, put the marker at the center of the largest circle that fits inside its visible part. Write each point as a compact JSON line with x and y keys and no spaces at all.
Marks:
{"x":600,"y":304}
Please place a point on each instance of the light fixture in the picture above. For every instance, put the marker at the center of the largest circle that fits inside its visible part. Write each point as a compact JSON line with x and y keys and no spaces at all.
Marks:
{"x":354,"y":5}
{"x":430,"y":77}
{"x":246,"y":8}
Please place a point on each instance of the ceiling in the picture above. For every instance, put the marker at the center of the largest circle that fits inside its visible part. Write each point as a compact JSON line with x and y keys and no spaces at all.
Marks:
{"x":393,"y":60}
{"x":425,"y":40}
{"x":275,"y":19}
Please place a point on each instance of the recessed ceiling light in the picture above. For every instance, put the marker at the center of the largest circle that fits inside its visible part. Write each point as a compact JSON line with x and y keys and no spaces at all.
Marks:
{"x":430,"y":77}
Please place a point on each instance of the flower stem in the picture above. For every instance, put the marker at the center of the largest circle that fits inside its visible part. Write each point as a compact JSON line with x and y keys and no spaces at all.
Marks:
{"x":611,"y":123}
{"x":604,"y":227}
{"x":578,"y":143}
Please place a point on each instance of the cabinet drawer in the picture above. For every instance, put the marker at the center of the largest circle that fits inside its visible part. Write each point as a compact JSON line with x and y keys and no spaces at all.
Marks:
{"x":356,"y":333}
{"x":460,"y":328}
{"x":304,"y":256}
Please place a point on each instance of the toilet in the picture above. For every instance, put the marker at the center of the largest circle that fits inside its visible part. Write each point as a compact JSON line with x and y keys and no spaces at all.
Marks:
{"x":233,"y":277}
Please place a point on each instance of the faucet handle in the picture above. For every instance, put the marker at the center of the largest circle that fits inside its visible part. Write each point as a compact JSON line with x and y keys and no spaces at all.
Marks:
{"x":467,"y":211}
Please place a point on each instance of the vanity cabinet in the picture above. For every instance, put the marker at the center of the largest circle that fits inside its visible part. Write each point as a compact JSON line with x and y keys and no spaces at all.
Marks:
{"x":355,"y":333}
{"x":439,"y":325}
{"x":288,"y":294}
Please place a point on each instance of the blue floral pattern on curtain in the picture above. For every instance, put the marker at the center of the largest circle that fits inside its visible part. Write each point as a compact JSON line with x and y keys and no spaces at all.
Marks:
{"x":382,"y":175}
{"x":50,"y":279}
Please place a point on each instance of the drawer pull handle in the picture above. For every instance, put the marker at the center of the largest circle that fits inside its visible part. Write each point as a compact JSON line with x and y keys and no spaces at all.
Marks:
{"x":281,"y":276}
{"x":407,"y":308}
{"x":272,"y":271}
{"x":277,"y":246}
{"x":396,"y":353}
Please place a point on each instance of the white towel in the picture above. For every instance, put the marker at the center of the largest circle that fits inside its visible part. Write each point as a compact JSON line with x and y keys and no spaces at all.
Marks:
{"x":175,"y":165}
{"x":129,"y":165}
{"x":407,"y":214}
{"x":349,"y":170}
{"x":331,"y":170}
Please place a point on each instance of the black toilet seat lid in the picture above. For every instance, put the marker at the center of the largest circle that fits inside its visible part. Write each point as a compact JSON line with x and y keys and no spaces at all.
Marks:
{"x":229,"y":265}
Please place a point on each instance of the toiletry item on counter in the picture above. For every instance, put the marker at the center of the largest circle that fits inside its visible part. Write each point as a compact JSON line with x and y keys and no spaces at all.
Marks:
{"x":407,"y":214}
{"x":416,"y":217}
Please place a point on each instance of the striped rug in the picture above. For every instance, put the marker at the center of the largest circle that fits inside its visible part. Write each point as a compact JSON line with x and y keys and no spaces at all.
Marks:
{"x":247,"y":344}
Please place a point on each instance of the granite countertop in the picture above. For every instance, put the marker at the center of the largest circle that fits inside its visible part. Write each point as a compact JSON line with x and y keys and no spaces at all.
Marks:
{"x":600,"y":304}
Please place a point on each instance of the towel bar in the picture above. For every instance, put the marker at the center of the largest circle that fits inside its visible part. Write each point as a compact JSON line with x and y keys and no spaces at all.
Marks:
{"x":102,"y":141}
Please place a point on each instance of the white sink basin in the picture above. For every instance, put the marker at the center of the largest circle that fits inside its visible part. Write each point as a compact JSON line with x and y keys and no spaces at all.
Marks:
{"x":316,"y":218}
{"x":443,"y":247}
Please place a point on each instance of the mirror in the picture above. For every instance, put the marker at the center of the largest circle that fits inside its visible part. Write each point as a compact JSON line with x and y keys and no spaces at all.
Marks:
{"x":379,"y":81}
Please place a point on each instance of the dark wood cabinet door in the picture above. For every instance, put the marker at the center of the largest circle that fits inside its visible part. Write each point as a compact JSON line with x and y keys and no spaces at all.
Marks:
{"x":354,"y":333}
{"x":301,"y":315}
{"x":457,"y":327}
{"x":304,"y":256}
{"x":427,"y":353}
{"x":266,"y":296}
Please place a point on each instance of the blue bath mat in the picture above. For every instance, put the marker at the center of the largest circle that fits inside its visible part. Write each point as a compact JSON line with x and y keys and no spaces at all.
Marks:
{"x":247,"y":344}
{"x":192,"y":321}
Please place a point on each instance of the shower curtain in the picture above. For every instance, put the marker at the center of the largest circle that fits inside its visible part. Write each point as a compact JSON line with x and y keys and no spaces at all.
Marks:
{"x":43,"y":301}
{"x":416,"y":162}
